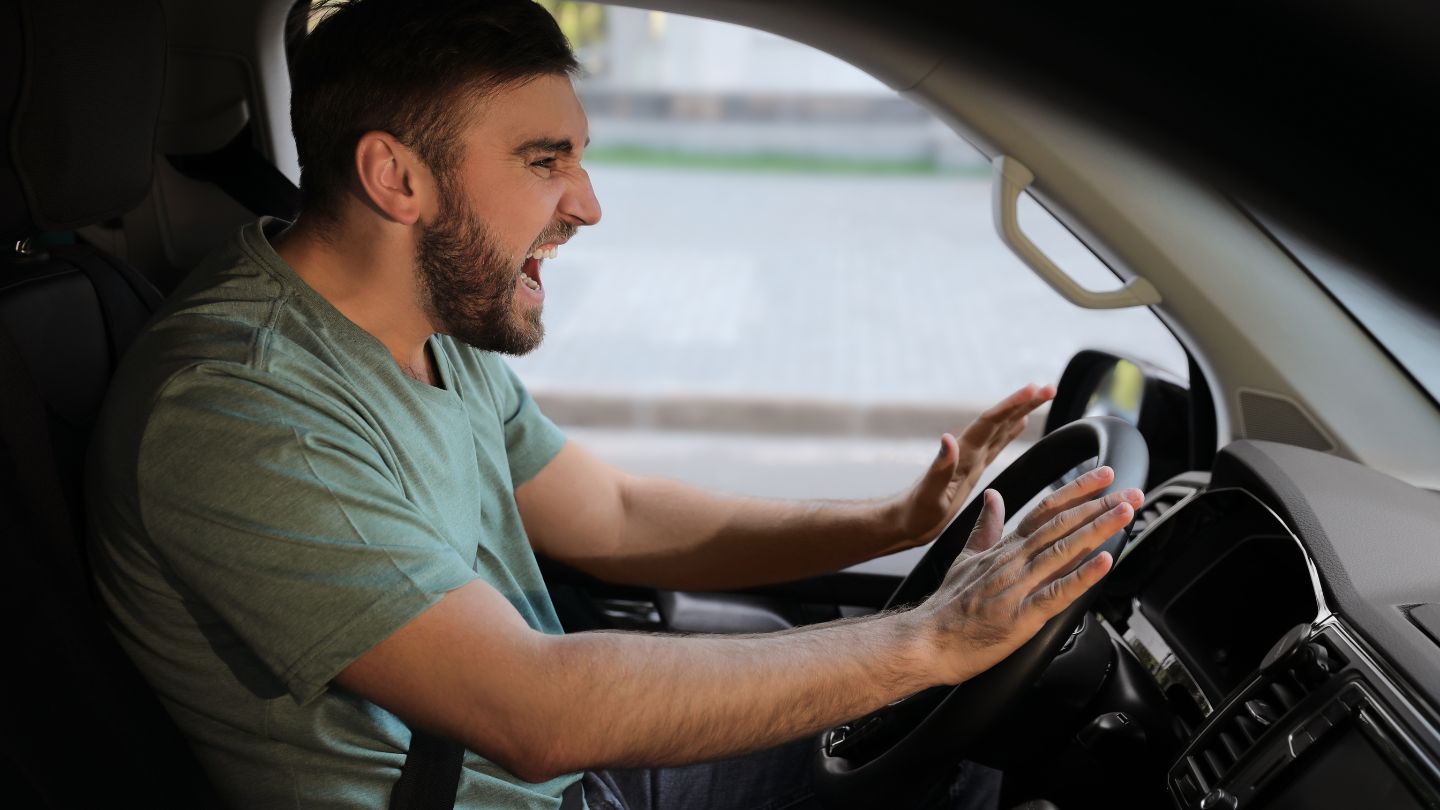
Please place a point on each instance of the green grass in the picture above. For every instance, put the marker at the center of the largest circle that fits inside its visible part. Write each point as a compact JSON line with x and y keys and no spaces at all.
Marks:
{"x":770,"y":162}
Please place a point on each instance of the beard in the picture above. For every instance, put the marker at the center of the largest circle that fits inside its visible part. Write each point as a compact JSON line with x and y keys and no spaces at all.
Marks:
{"x":469,"y":285}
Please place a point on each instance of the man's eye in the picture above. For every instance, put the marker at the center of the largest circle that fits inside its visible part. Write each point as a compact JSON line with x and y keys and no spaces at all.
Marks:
{"x":544,"y":163}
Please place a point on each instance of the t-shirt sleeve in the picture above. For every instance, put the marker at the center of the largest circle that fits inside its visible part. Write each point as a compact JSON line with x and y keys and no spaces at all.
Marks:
{"x":531,"y":439}
{"x":282,"y":512}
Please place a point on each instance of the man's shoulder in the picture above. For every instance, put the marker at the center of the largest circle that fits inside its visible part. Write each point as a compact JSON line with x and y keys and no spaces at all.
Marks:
{"x":235,"y":324}
{"x":243,"y":307}
{"x":216,"y":313}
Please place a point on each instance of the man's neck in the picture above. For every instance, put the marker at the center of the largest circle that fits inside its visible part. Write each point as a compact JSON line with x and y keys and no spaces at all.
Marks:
{"x":368,"y":275}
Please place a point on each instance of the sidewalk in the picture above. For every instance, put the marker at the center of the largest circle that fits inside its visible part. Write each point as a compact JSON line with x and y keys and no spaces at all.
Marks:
{"x":755,"y":413}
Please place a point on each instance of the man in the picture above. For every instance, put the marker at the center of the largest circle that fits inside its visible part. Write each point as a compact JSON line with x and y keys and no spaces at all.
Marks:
{"x":318,"y":492}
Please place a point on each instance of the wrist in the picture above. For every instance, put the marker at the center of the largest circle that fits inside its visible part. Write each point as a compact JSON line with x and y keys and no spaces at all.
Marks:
{"x":920,"y":650}
{"x":889,"y":525}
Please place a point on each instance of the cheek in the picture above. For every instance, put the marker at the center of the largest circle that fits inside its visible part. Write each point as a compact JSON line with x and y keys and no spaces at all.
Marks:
{"x":516,"y":213}
{"x":534,"y":223}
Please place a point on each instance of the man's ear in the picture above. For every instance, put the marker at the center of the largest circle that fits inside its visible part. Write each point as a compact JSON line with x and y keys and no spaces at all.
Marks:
{"x":395,"y":180}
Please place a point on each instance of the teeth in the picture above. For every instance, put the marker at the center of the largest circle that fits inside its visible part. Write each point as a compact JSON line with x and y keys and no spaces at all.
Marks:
{"x":544,"y":253}
{"x":529,"y":282}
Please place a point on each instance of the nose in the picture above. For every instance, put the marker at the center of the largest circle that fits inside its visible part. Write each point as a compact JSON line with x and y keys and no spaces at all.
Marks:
{"x":579,"y":206}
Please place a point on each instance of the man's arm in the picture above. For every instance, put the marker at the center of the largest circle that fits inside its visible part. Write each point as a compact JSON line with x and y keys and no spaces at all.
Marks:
{"x":650,"y":531}
{"x":544,"y":705}
{"x":639,"y":530}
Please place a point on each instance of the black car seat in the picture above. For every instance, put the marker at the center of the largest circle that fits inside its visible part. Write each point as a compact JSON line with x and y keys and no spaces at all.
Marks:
{"x":80,"y":92}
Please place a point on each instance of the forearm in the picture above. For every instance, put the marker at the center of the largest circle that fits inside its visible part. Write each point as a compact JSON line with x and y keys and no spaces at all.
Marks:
{"x":472,"y":669}
{"x":626,"y":699}
{"x":676,"y":536}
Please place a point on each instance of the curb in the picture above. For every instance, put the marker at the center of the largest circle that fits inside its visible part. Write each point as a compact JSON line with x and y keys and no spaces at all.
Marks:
{"x":753,"y":415}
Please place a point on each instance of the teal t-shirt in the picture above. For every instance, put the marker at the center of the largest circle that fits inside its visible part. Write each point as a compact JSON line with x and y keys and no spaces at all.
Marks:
{"x":270,"y":497}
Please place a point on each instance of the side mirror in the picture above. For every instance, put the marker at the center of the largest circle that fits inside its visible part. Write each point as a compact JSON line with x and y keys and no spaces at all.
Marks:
{"x":1098,"y":383}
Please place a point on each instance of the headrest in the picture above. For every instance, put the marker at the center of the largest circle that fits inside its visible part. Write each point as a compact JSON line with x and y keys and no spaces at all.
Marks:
{"x":81,"y":84}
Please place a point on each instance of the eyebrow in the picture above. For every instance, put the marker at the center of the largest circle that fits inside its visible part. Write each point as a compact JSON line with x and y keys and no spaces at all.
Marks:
{"x":547,"y":145}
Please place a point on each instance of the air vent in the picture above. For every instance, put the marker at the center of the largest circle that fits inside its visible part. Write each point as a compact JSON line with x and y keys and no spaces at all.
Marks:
{"x":1265,"y":704}
{"x":1154,"y":508}
{"x":1162,"y":499}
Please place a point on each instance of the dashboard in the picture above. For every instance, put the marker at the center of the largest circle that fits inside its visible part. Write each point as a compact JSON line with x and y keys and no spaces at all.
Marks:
{"x":1285,"y":608}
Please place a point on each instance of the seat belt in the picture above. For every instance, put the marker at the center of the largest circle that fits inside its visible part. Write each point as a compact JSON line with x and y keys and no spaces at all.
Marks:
{"x":431,"y":773}
{"x":573,"y":798}
{"x":242,"y":172}
{"x":113,"y":281}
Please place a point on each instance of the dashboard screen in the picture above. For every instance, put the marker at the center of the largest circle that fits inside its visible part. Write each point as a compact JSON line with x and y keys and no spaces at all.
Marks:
{"x":1226,"y":619}
{"x":1222,"y":580}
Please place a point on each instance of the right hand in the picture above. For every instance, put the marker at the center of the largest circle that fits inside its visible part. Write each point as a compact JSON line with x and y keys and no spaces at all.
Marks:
{"x":1000,"y":591}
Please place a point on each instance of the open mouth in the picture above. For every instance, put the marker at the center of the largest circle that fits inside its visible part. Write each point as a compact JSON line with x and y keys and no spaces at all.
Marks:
{"x":530,"y":269}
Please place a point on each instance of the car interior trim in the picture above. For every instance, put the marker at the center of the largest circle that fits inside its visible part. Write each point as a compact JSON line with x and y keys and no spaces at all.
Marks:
{"x":1010,"y":179}
{"x":1148,"y":645}
{"x":1354,"y":694}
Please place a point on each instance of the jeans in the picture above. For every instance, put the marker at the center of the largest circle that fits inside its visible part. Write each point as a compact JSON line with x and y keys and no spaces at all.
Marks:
{"x":774,"y":779}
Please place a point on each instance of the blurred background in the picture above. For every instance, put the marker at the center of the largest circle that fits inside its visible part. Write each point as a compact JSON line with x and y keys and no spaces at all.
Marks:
{"x":797,"y":284}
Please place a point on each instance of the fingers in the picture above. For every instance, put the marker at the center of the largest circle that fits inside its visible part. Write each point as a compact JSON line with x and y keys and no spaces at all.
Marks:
{"x":1059,"y":593}
{"x":1073,"y":518}
{"x":1026,"y":399}
{"x":948,"y":456}
{"x":1016,"y":429}
{"x":989,"y":526}
{"x":1018,"y":404}
{"x":993,"y":448}
{"x":1000,"y":418}
{"x":942,"y":469}
{"x":1007,"y":598}
{"x":1049,"y":560}
{"x":1076,"y":492}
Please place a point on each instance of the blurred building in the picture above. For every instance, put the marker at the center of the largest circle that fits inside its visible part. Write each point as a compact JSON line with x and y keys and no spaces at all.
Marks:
{"x":680,"y":85}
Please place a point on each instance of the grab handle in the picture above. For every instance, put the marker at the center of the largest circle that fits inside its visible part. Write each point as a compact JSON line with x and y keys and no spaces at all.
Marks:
{"x":1012,"y":178}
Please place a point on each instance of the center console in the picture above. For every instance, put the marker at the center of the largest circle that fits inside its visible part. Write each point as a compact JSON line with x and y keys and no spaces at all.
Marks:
{"x":1277,"y":703}
{"x":1319,"y":727}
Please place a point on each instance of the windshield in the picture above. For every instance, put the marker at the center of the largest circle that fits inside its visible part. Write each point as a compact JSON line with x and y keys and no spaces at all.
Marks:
{"x":1406,"y":331}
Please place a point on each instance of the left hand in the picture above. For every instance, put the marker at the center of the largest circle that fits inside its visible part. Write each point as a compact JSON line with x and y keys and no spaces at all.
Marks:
{"x":929,"y":506}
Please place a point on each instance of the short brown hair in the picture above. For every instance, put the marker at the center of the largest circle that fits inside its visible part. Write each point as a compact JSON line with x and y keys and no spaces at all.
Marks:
{"x":411,"y":68}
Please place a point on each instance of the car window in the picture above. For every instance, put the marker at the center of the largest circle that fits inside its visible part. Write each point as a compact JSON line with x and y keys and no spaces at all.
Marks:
{"x":797,"y":285}
{"x":1405,"y":329}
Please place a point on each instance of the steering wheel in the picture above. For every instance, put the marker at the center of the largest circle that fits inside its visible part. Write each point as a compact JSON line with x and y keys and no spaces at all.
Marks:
{"x":894,"y":756}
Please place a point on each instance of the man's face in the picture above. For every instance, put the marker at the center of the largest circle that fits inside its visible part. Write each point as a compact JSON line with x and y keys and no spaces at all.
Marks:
{"x":516,"y":194}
